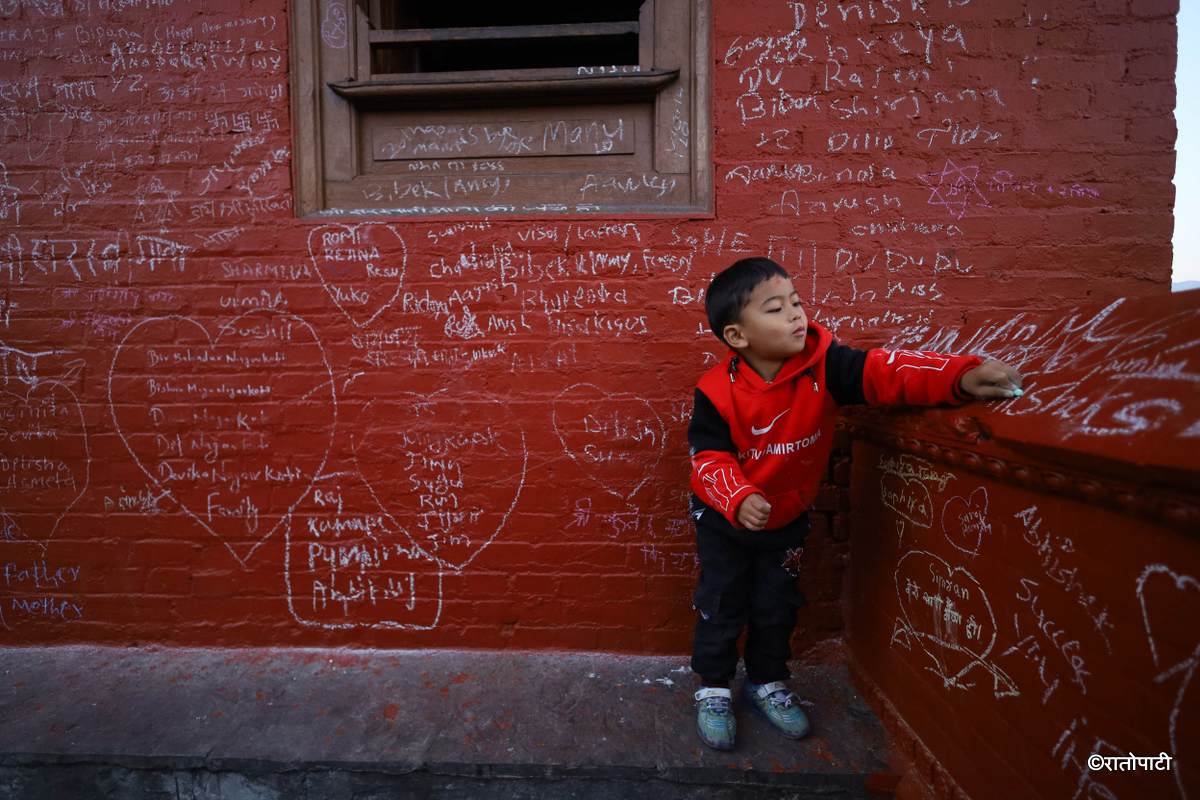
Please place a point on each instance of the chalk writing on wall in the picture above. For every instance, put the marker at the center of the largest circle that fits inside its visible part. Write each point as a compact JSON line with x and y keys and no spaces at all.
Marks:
{"x":39,"y":589}
{"x":1107,"y":398}
{"x":347,"y":566}
{"x":440,"y":474}
{"x":613,"y":437}
{"x":1012,"y":598}
{"x":150,"y":240}
{"x":362,"y":267}
{"x":945,"y":611}
{"x":45,"y":462}
{"x":903,"y":487}
{"x":965,"y":522}
{"x":226,"y":424}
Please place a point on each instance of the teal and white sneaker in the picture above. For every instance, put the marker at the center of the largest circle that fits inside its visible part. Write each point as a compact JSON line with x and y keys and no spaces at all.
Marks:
{"x":715,"y":719}
{"x":780,"y":706}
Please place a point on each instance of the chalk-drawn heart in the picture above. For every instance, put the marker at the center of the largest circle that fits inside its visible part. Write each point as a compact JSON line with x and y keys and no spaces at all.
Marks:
{"x":234,"y":428}
{"x":347,"y":566}
{"x":1185,"y":735}
{"x":448,"y":471}
{"x":618,"y":438}
{"x":1170,"y":605}
{"x":907,"y":497}
{"x":362,"y":267}
{"x":947,"y":612}
{"x":964,"y":521}
{"x":44,"y":461}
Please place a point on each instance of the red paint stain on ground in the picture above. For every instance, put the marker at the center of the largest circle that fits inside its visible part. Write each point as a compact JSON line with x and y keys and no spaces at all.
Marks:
{"x":343,"y":660}
{"x":390,"y":712}
{"x":461,"y":677}
{"x":260,"y":696}
{"x":823,"y":753}
{"x":249,"y":657}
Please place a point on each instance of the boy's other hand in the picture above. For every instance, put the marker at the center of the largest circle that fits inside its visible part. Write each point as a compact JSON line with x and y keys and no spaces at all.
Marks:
{"x":753,"y":512}
{"x":992,"y":380}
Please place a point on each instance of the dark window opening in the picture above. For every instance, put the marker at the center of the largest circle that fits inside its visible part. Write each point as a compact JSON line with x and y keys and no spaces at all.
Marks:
{"x":454,"y":14}
{"x":507,"y":54}
{"x":409,"y":37}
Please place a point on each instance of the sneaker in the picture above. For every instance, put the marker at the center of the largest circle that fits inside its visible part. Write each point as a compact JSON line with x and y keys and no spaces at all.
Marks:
{"x":715,"y":719}
{"x":780,"y":706}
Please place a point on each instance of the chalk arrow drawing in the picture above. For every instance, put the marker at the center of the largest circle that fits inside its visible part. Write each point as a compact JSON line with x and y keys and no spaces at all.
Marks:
{"x":946,"y":611}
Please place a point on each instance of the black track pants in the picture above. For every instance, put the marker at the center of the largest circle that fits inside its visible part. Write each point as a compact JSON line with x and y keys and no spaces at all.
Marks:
{"x":743,"y":587}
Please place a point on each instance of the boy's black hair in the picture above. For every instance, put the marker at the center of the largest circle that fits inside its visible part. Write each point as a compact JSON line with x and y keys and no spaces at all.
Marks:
{"x":730,"y":290}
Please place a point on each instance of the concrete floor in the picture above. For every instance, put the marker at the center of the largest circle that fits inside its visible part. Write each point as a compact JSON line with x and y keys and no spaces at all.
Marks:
{"x":312,"y":723}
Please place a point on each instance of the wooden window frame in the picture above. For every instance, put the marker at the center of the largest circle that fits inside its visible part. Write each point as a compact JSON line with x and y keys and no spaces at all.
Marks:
{"x":340,"y":111}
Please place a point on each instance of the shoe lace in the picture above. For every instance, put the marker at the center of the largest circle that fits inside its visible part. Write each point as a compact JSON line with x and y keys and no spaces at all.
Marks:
{"x":717,"y":705}
{"x":782,"y":698}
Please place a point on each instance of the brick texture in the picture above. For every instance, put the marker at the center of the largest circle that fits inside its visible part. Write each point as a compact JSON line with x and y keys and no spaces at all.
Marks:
{"x":212,"y":435}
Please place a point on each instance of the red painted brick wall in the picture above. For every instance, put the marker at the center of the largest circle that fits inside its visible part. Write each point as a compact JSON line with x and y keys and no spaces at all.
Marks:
{"x":205,"y":444}
{"x":1032,"y":566}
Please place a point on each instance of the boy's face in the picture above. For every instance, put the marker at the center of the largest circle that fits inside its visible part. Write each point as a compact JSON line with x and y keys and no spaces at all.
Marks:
{"x":772,"y":325}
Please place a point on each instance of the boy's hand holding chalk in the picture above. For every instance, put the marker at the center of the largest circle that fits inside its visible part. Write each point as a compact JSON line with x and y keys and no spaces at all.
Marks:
{"x":992,"y":380}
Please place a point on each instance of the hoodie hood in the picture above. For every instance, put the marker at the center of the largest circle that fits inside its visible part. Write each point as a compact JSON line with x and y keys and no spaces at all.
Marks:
{"x":816,"y":343}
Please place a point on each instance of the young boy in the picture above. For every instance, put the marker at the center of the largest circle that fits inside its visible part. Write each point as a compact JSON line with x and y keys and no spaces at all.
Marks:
{"x":760,"y":437}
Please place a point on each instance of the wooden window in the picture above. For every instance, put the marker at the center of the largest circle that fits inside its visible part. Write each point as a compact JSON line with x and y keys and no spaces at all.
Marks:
{"x":484,"y":108}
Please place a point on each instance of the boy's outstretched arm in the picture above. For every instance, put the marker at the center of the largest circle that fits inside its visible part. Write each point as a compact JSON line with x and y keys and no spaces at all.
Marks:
{"x":991,"y":380}
{"x":915,"y":377}
{"x":881,"y":377}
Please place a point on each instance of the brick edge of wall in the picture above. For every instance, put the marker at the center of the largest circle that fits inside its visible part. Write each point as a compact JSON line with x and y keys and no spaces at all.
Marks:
{"x":922,"y":777}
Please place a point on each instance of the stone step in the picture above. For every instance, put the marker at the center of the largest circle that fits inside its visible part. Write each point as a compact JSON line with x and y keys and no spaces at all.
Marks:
{"x":104,"y":722}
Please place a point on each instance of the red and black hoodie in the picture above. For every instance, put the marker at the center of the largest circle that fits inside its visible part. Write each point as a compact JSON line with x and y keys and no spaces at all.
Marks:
{"x":748,"y":435}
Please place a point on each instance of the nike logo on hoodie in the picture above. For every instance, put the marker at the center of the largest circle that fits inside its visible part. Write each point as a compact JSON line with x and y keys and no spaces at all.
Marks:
{"x":761,"y":431}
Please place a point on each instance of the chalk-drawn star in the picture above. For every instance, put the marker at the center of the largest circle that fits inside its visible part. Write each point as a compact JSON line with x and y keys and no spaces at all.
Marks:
{"x":954,"y":188}
{"x":156,"y":203}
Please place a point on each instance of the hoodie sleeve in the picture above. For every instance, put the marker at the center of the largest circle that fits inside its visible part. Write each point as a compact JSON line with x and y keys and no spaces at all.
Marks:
{"x":717,"y":477}
{"x":895,"y":377}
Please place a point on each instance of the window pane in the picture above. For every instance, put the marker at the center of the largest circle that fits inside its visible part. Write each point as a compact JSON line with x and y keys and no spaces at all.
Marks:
{"x":505,"y":54}
{"x":407,"y":14}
